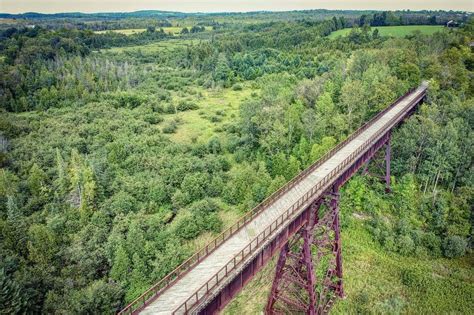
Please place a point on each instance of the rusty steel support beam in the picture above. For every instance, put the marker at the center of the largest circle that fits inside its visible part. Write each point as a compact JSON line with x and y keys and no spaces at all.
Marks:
{"x":296,"y":287}
{"x":308,"y":261}
{"x":388,"y":149}
{"x":294,"y":270}
{"x":337,"y":242}
{"x":381,"y":166}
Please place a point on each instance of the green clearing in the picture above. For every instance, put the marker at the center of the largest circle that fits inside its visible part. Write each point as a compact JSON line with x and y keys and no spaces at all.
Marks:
{"x":217,"y":108}
{"x":373,"y":282}
{"x":129,"y":31}
{"x":395,"y":31}
{"x":153,"y":48}
{"x":175,"y":30}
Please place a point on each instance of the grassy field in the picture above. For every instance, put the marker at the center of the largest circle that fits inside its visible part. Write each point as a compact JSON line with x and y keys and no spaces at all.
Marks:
{"x":374,"y":284}
{"x":124,"y":31}
{"x":216,"y":109}
{"x":395,"y":31}
{"x":175,"y":30}
{"x":153,"y":48}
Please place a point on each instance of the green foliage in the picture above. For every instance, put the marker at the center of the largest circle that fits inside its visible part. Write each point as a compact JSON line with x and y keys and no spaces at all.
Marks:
{"x":415,"y":278}
{"x":36,"y":181}
{"x":278,"y":182}
{"x":194,"y":186}
{"x":121,"y":266}
{"x":41,"y":244}
{"x":393,"y":305}
{"x":248,"y":185}
{"x":318,"y":150}
{"x":171,"y":127}
{"x":99,"y":296}
{"x":406,"y":245}
{"x":184,"y":106}
{"x":202,"y":217}
{"x":454,"y":246}
{"x":11,"y":299}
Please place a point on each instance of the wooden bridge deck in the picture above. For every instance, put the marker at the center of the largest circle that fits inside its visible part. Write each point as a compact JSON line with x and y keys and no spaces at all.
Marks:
{"x":177,"y":294}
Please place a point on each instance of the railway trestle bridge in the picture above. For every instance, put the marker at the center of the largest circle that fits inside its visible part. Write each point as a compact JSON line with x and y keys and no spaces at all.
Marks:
{"x":300,"y":222}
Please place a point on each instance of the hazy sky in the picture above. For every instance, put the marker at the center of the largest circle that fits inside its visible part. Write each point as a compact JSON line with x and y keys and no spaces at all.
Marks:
{"x":50,"y":6}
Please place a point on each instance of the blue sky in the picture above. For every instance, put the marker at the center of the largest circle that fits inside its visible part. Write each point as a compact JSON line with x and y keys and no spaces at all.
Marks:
{"x":50,"y":6}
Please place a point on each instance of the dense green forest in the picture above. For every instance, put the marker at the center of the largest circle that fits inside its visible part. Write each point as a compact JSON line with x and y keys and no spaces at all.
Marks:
{"x":122,"y":154}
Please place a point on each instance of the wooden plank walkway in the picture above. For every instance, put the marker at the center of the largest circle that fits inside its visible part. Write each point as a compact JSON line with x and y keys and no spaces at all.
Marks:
{"x":174,"y":296}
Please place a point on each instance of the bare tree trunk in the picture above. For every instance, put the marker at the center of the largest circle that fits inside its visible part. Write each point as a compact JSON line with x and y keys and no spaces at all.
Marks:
{"x":436,"y":184}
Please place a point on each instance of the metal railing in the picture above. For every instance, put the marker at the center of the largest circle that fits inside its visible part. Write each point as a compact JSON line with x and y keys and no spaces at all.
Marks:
{"x":201,"y":254}
{"x":312,"y":193}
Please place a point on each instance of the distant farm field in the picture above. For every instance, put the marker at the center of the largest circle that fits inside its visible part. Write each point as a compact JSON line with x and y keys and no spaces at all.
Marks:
{"x":175,"y":30}
{"x":129,"y":31}
{"x":395,"y":31}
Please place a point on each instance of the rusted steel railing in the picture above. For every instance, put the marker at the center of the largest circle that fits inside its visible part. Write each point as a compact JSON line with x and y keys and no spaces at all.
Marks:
{"x":153,"y":292}
{"x":312,"y":193}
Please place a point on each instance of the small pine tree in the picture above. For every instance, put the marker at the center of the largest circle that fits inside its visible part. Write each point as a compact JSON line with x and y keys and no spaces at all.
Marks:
{"x":121,"y":266}
{"x":36,"y":181}
{"x":60,"y":183}
{"x":11,"y":301}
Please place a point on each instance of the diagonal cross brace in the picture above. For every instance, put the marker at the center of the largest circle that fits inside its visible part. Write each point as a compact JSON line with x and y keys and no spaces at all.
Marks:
{"x":296,"y":287}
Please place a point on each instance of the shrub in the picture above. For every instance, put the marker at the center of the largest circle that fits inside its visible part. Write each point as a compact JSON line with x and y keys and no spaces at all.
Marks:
{"x":216,"y":186}
{"x":215,"y":119}
{"x":237,"y":87}
{"x":415,"y":278}
{"x":204,"y":207}
{"x":393,"y":305}
{"x":194,"y":185}
{"x":199,"y":149}
{"x":179,"y":199}
{"x":389,"y":242}
{"x":454,"y":246}
{"x":153,"y":119}
{"x":170,"y":127}
{"x":214,"y":145}
{"x":433,"y":243}
{"x":187,"y":228}
{"x":185,"y":105}
{"x":163,"y":95}
{"x":362,"y":302}
{"x":201,"y":220}
{"x":121,"y":202}
{"x":158,"y":108}
{"x":170,"y":109}
{"x":421,"y":251}
{"x":129,"y":100}
{"x":405,"y":245}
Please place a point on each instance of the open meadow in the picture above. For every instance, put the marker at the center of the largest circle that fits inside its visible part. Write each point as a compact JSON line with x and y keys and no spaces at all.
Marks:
{"x":395,"y":31}
{"x":173,"y":30}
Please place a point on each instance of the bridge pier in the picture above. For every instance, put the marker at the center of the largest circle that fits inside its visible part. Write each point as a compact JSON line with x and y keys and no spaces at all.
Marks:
{"x":381,"y":164}
{"x":308,"y":274}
